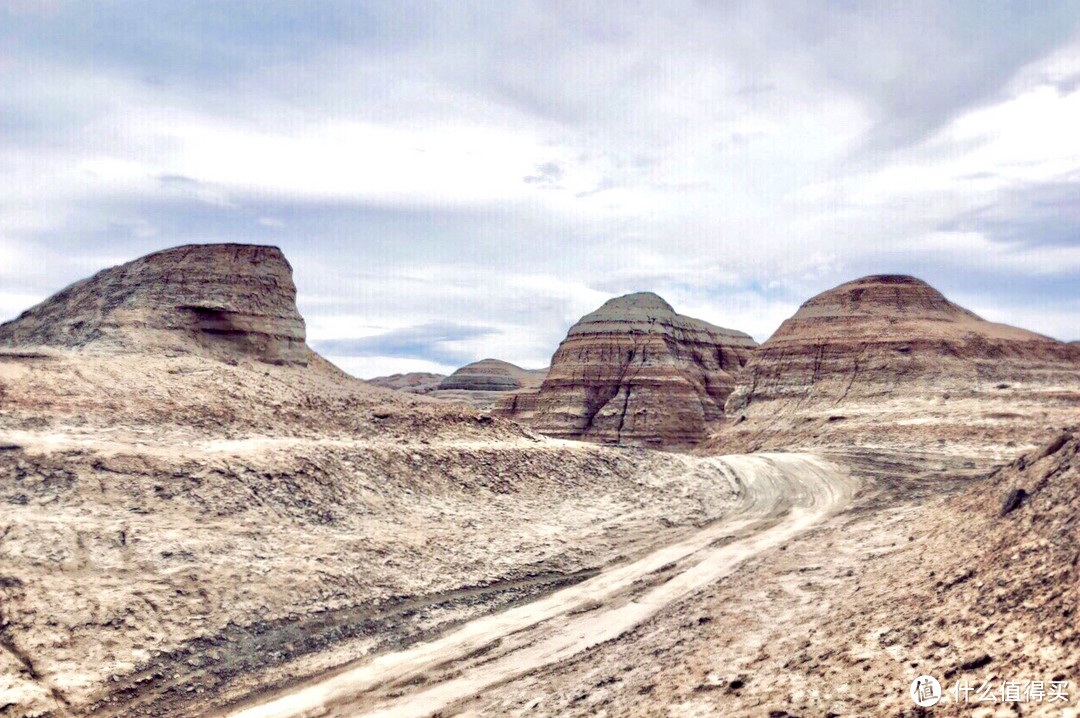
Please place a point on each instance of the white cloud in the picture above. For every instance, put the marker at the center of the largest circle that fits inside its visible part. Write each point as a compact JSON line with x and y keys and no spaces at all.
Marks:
{"x":515,"y":179}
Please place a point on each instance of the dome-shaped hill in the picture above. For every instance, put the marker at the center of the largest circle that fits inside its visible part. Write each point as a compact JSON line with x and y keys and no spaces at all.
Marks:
{"x":490,"y":375}
{"x":889,"y":306}
{"x":635,"y":372}
{"x":886,"y":358}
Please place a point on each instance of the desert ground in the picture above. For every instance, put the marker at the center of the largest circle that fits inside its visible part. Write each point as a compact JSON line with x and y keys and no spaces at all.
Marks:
{"x":202,"y":517}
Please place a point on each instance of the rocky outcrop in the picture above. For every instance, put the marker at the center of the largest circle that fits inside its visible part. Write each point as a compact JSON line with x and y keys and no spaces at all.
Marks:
{"x":889,"y":356}
{"x":635,"y":373}
{"x":417,"y":382}
{"x":161,"y":516}
{"x":492,"y":375}
{"x":226,"y":300}
{"x":482,"y":384}
{"x":478,"y":385}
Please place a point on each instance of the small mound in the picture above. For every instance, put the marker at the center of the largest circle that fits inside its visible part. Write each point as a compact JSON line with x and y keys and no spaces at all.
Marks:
{"x":488,"y":375}
{"x":417,"y":382}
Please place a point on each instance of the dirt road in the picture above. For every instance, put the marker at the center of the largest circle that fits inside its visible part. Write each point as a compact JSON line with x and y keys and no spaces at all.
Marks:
{"x":784,"y":494}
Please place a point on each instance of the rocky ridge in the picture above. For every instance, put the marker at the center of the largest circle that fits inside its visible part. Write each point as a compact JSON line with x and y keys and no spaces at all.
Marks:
{"x":224,"y":300}
{"x":635,"y":373}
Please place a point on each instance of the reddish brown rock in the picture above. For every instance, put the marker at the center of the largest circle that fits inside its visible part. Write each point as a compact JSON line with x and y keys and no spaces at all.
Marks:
{"x":635,"y":373}
{"x":226,"y":300}
{"x":887,"y":358}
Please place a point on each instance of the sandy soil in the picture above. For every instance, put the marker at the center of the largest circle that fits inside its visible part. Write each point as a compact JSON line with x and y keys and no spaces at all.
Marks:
{"x":785,"y":494}
{"x":840,"y":621}
{"x":178,"y":533}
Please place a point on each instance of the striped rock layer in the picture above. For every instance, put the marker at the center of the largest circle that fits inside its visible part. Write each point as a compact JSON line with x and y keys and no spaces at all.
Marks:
{"x":635,"y":373}
{"x":491,"y":375}
{"x":887,"y":359}
{"x":225,"y":300}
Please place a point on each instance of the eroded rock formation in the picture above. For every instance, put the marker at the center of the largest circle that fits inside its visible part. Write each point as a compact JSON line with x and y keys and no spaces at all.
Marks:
{"x":889,"y":355}
{"x":417,"y":382}
{"x":491,"y":375}
{"x":226,"y":300}
{"x":634,"y":372}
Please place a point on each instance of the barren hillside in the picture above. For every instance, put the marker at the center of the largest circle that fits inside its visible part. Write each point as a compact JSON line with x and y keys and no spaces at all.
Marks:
{"x":886,"y":362}
{"x":184,"y":525}
{"x":927,"y":574}
{"x":635,"y":373}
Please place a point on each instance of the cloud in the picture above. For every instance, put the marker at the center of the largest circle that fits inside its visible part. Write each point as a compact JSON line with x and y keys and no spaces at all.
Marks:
{"x":548,"y":173}
{"x":510,"y":166}
{"x":435,"y":342}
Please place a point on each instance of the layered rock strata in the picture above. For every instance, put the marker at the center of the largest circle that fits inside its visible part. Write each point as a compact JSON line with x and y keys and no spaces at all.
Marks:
{"x":635,"y":373}
{"x":491,"y":375}
{"x":226,"y":300}
{"x":888,"y":358}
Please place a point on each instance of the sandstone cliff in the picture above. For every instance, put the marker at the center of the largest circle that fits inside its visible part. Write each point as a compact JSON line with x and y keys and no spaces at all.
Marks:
{"x":225,"y":300}
{"x":634,"y":372}
{"x":886,"y":358}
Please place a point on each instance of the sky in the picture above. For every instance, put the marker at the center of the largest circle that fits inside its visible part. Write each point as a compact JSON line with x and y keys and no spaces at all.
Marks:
{"x":455,"y":181}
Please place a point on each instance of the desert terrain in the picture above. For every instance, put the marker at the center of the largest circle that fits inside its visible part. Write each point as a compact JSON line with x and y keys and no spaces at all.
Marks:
{"x":203,"y":517}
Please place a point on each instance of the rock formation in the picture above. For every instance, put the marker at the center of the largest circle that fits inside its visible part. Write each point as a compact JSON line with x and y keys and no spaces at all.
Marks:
{"x":634,"y":372}
{"x":889,"y":354}
{"x":417,"y":382}
{"x":229,"y":527}
{"x":478,"y":385}
{"x":491,"y":375}
{"x":226,"y":300}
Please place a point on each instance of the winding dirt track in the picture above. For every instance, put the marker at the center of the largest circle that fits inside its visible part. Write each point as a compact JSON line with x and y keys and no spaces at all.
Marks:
{"x":784,"y":494}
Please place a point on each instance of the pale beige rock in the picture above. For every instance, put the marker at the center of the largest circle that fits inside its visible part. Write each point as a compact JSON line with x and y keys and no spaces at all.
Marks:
{"x":177,"y":532}
{"x":923,"y":575}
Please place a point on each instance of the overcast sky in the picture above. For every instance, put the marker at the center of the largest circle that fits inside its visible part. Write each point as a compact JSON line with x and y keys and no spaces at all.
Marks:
{"x":458,"y":180}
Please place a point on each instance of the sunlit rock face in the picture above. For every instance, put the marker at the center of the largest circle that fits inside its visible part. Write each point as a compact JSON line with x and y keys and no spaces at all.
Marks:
{"x":635,"y":373}
{"x":225,"y":300}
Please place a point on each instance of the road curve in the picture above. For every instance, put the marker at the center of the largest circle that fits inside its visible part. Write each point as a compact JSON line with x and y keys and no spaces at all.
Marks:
{"x":782,"y":496}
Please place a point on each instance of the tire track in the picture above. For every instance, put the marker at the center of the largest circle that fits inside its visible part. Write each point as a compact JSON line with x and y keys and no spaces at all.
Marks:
{"x":784,"y":495}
